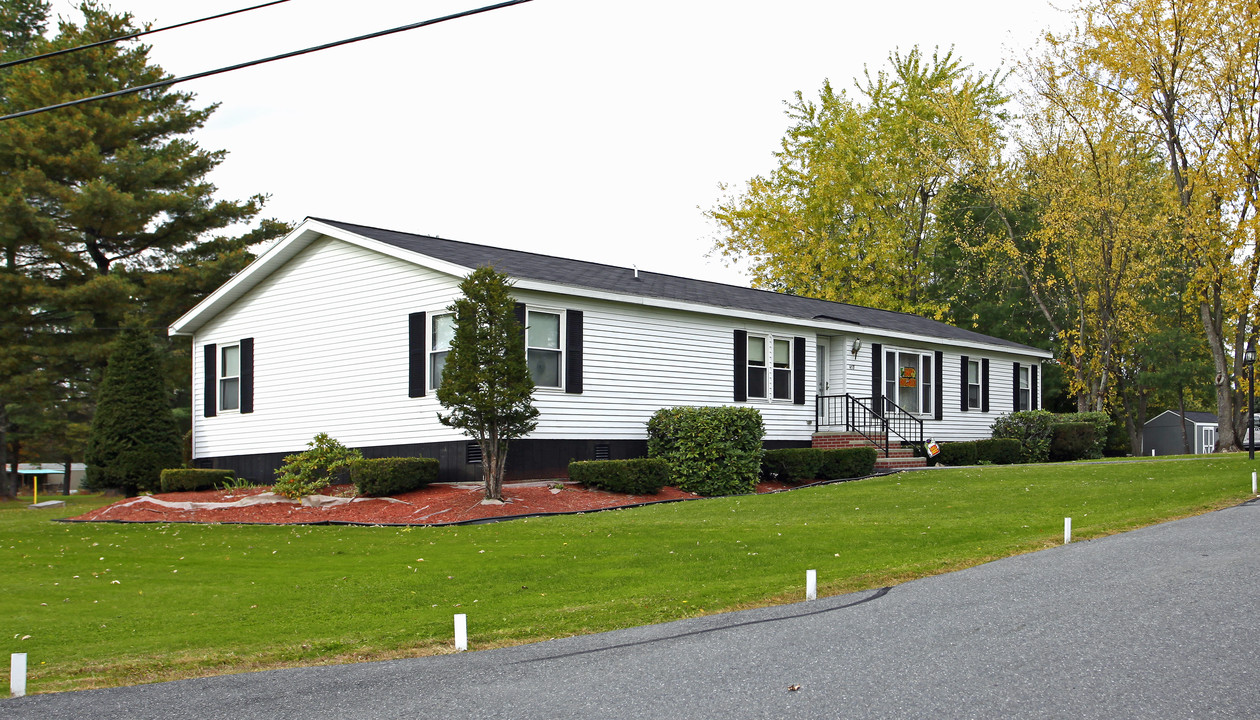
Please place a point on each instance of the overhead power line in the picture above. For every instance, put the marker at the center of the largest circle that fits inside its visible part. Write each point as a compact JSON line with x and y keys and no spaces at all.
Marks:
{"x":133,"y":36}
{"x":251,"y":63}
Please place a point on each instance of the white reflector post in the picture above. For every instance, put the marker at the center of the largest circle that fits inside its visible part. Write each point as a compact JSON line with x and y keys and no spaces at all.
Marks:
{"x":1067,"y":530}
{"x":811,"y":584}
{"x":17,"y":674}
{"x":1253,"y":482}
{"x":461,"y":632}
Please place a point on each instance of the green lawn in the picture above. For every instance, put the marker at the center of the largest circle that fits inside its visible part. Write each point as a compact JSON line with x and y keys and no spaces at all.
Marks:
{"x":107,"y":604}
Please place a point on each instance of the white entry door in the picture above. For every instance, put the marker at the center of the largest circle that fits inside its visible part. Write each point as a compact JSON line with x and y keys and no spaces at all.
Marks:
{"x":1209,"y":440}
{"x":820,"y":373}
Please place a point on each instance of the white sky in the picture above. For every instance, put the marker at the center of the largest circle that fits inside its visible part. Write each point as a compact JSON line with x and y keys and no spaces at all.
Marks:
{"x":583,"y":128}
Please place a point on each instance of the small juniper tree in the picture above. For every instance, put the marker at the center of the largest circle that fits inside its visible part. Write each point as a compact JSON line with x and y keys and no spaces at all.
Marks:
{"x":486,"y":385}
{"x":133,"y":436}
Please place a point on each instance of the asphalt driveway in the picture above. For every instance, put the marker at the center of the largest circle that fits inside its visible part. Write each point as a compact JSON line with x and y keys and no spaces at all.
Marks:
{"x":1154,"y":623}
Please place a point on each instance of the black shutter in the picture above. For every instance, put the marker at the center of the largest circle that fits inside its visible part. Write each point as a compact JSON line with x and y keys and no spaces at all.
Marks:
{"x":741,"y":365}
{"x":938,"y":361}
{"x":877,"y":380}
{"x":210,"y":369}
{"x":1015,"y":405}
{"x":520,"y":315}
{"x":415,"y":354}
{"x":1034,"y":391}
{"x":573,"y":352}
{"x":798,"y":362}
{"x":965,"y":362}
{"x":984,"y":385}
{"x":247,"y":375}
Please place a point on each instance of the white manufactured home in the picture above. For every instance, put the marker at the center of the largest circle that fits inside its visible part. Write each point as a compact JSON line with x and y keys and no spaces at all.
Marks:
{"x":342,"y":328}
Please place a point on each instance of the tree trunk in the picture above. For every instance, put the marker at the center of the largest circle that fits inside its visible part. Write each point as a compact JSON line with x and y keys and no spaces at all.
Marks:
{"x":1227,"y":437}
{"x":7,"y":489}
{"x":65,"y":485}
{"x":1181,"y":408}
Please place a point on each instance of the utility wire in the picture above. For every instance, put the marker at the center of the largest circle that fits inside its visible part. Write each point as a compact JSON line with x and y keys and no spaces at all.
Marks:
{"x":132,"y":36}
{"x":251,"y":63}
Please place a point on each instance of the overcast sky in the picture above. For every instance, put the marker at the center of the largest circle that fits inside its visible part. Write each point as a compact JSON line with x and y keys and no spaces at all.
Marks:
{"x":584,"y":128}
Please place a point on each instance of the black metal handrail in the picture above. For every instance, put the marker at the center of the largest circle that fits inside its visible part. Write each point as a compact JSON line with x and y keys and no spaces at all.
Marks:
{"x":858,"y":414}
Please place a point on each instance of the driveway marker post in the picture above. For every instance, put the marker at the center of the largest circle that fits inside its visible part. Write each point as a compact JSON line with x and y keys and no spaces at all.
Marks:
{"x":17,"y":674}
{"x":461,"y":632}
{"x":811,"y":584}
{"x":1067,"y":530}
{"x":1253,"y":482}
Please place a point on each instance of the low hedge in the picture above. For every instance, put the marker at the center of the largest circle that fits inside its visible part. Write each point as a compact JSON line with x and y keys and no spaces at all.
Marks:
{"x":636,"y":476}
{"x":1072,"y":441}
{"x":190,"y":479}
{"x":999,"y":451}
{"x":792,"y":464}
{"x":958,"y":453}
{"x":392,"y":475}
{"x":846,"y":463}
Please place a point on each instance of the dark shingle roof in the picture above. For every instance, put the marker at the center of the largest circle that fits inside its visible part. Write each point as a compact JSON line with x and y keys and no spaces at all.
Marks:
{"x":595,"y":276}
{"x":1200,"y":417}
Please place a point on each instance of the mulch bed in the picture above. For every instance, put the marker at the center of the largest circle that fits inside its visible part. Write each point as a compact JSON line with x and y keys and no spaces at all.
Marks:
{"x":438,"y":504}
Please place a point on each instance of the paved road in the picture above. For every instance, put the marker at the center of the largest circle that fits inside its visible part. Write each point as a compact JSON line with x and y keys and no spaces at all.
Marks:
{"x":1150,"y":624}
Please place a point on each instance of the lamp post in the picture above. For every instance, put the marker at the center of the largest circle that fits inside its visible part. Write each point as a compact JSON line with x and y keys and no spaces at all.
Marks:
{"x":1249,"y":359}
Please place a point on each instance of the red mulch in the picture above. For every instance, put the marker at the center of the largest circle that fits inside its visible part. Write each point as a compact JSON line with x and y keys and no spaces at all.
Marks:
{"x":432,"y":505}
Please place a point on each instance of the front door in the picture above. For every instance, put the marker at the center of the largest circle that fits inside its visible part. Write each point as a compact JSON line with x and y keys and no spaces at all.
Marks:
{"x":820,"y":377}
{"x":1209,"y":440}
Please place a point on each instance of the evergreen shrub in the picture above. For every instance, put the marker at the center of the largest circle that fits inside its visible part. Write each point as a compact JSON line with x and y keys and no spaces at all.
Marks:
{"x":999,"y":451}
{"x":1032,"y":429}
{"x":792,"y":464}
{"x":374,"y":477}
{"x":1101,"y":423}
{"x":191,"y":479}
{"x":636,"y":476}
{"x":958,"y":453}
{"x":844,"y":463}
{"x":133,"y":435}
{"x":710,"y":450}
{"x":1071,"y":441}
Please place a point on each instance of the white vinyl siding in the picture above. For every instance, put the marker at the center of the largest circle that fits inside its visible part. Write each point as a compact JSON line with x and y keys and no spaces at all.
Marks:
{"x":331,"y":354}
{"x":331,"y":331}
{"x":624,"y":382}
{"x":852,"y":374}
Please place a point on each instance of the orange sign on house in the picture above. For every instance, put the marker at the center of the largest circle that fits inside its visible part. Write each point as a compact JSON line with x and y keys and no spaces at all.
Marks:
{"x":908,"y":377}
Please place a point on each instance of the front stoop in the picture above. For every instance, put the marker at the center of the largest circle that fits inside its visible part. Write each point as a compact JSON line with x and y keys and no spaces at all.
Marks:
{"x":899,"y":458}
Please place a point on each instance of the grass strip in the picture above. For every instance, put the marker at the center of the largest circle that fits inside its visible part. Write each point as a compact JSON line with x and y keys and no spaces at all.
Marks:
{"x":98,"y":605}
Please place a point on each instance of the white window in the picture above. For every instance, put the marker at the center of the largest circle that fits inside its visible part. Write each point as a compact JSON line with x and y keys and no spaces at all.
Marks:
{"x":973,"y":384}
{"x":1025,"y":389}
{"x":908,"y":381}
{"x":542,"y":347}
{"x":439,"y":345}
{"x":230,"y":377}
{"x":769,"y":367}
{"x":756,"y":367}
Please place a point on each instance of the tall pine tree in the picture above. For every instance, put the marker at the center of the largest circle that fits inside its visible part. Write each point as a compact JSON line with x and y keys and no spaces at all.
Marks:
{"x":106,"y":210}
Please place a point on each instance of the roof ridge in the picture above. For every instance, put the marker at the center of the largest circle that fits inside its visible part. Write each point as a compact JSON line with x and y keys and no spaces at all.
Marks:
{"x":465,"y":243}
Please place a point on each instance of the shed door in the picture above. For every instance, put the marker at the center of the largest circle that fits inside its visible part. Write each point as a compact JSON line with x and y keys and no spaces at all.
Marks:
{"x":1209,"y":440}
